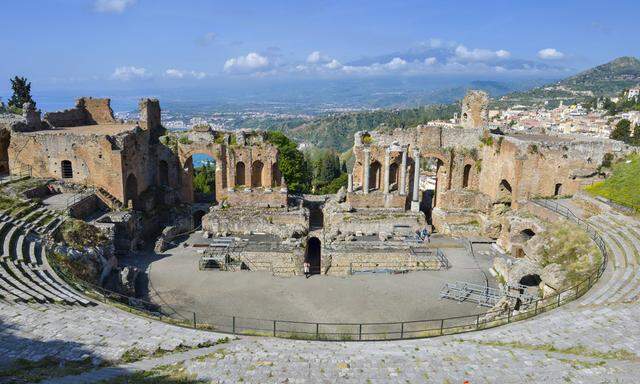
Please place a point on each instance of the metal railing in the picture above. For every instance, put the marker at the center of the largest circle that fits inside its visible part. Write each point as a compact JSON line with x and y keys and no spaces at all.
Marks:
{"x":354,"y":331}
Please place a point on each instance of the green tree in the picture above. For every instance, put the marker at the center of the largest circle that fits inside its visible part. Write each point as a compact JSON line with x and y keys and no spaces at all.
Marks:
{"x":292,"y":163}
{"x":204,"y":179}
{"x":21,"y":93}
{"x":622,"y":131}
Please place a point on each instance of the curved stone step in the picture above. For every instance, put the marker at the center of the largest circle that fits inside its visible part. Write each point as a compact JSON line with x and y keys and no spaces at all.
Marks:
{"x":8,"y":287}
{"x":8,"y":277}
{"x":47,"y":269}
{"x":37,"y":280}
{"x":8,"y":295}
{"x":22,"y":276}
{"x":9,"y":241}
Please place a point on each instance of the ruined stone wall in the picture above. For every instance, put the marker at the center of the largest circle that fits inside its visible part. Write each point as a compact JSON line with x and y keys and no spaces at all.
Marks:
{"x":474,"y":111}
{"x":139,"y":165}
{"x":535,"y":167}
{"x":97,"y":111}
{"x":93,"y":160}
{"x":374,"y":221}
{"x":378,"y":200}
{"x":246,"y":220}
{"x":87,"y":111}
{"x":246,"y":167}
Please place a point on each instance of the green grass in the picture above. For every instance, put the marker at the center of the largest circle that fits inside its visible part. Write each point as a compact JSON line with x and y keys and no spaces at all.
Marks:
{"x":623,"y":185}
{"x":579,"y":350}
{"x":25,"y":371}
{"x":166,"y":374}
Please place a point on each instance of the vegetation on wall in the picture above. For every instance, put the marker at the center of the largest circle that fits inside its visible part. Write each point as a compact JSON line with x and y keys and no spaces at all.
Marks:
{"x":292,"y":163}
{"x":626,"y":133}
{"x":78,"y":235}
{"x":569,"y":246}
{"x":623,"y":185}
{"x":328,"y":173}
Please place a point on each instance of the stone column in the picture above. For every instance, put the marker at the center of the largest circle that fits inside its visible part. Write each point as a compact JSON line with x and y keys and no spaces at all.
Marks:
{"x":415,"y":199}
{"x":403,"y":174}
{"x":350,"y":183}
{"x":387,"y":177}
{"x":365,"y":170}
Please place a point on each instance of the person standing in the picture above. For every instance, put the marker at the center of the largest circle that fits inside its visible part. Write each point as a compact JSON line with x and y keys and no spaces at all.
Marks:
{"x":306,"y":267}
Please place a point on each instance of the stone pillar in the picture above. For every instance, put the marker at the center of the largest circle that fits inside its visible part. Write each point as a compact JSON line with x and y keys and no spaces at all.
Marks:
{"x":365,"y":170}
{"x":403,"y":174}
{"x":350,"y":183}
{"x":387,"y":162}
{"x":415,"y":198}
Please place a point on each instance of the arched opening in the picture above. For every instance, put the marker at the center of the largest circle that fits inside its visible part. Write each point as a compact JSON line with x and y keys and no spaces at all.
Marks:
{"x":504,"y":192}
{"x":464,"y":115}
{"x":66,"y":169}
{"x":430,"y":168}
{"x":532,"y":280}
{"x":256,"y":174}
{"x":375,"y":171}
{"x":558,"y":190}
{"x":276,"y":176}
{"x":131,"y":191}
{"x":313,"y":255}
{"x":465,"y":176}
{"x":393,"y":176}
{"x":204,"y":178}
{"x":527,"y":234}
{"x":163,"y":173}
{"x":240,"y":176}
{"x":197,"y":218}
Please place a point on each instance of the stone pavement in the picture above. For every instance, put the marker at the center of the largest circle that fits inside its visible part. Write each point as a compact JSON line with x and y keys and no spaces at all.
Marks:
{"x":593,"y":340}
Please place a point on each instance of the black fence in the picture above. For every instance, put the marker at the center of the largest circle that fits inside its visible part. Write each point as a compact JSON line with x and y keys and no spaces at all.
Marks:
{"x":354,"y":331}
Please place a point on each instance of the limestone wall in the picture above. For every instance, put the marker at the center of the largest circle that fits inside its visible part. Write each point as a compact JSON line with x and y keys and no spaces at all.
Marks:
{"x":98,"y":111}
{"x":247,"y":220}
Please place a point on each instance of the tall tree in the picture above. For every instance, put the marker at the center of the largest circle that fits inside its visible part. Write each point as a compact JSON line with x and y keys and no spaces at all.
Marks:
{"x":21,"y":92}
{"x":622,"y":131}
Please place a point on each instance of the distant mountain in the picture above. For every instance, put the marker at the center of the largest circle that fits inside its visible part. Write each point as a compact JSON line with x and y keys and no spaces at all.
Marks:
{"x":604,"y":80}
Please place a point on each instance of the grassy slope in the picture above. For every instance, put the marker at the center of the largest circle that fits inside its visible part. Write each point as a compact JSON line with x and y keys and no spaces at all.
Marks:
{"x":623,"y":187}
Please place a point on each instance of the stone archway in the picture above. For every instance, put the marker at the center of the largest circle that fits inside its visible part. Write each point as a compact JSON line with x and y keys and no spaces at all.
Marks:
{"x":558,"y":190}
{"x":197,"y":218}
{"x":131,"y":191}
{"x":256,"y":174}
{"x":375,"y":173}
{"x":394,"y":175}
{"x":276,"y":176}
{"x":466,"y":176}
{"x":240,"y":174}
{"x":313,"y":255}
{"x":504,"y":192}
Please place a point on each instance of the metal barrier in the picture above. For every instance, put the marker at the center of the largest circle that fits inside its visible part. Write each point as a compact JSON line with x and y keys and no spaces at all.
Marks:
{"x":354,"y":331}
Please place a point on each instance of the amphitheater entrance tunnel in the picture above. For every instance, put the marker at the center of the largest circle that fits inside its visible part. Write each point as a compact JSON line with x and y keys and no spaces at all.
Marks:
{"x":430,"y":166}
{"x":197,"y":218}
{"x":532,"y":280}
{"x":313,"y":255}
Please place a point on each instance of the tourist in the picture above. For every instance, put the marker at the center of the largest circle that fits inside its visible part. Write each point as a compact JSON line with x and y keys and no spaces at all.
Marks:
{"x":306,"y":267}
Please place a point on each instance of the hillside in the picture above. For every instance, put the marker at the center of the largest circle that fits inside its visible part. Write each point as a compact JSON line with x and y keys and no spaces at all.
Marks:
{"x":623,"y":185}
{"x":336,"y":131}
{"x":604,"y":80}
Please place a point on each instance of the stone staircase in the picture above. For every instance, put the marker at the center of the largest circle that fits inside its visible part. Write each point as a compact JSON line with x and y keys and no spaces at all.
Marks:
{"x":111,"y":201}
{"x":25,"y":274}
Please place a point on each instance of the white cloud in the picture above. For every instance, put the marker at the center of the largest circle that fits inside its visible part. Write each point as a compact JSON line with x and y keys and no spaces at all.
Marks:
{"x":430,"y":61}
{"x":317,"y":57}
{"x":112,"y":6}
{"x":395,"y":64}
{"x":252,"y":62}
{"x":181,"y":74}
{"x":550,"y":54}
{"x":333,"y":64}
{"x":478,"y":54}
{"x":126,"y":73}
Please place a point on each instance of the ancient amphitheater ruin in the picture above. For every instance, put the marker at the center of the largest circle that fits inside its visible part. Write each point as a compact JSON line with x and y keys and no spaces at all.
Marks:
{"x":466,"y":252}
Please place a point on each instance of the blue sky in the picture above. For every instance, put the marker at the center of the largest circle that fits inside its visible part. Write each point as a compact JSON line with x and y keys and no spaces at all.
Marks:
{"x":161,"y":43}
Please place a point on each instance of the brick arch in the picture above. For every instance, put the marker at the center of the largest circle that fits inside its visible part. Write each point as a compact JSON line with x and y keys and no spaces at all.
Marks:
{"x":257,"y":174}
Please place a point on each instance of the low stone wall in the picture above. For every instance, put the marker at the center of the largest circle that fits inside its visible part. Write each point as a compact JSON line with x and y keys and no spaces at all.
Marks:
{"x":377,"y":200}
{"x":257,"y":198}
{"x":279,"y":222}
{"x":374,"y":221}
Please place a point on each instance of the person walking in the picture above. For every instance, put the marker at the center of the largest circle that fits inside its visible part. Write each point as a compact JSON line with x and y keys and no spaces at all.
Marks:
{"x":306,"y":267}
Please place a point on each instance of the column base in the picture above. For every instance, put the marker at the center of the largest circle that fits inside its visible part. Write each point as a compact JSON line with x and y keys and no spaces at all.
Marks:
{"x":415,"y":206}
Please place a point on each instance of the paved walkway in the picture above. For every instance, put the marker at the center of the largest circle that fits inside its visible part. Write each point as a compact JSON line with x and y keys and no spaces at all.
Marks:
{"x":593,"y":340}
